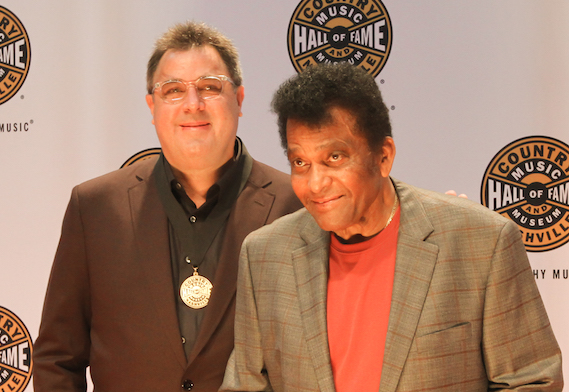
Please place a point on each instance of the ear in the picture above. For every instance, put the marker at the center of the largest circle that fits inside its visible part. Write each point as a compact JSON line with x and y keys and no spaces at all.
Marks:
{"x":387,"y":156}
{"x":150,"y":103}
{"x":240,"y":94}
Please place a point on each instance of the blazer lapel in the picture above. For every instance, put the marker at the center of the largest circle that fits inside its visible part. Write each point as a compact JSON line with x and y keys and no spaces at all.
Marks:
{"x":150,"y":226}
{"x":413,"y":272}
{"x":250,"y":212}
{"x":311,"y":272}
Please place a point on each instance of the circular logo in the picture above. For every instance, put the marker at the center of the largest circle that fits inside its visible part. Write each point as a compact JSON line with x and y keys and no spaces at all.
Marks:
{"x":527,"y":182}
{"x":195,"y":291}
{"x":15,"y":54}
{"x":142,"y":155}
{"x":332,"y":31}
{"x":15,"y":353}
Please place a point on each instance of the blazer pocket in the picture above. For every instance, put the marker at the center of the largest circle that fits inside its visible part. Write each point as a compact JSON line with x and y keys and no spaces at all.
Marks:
{"x":449,"y":340}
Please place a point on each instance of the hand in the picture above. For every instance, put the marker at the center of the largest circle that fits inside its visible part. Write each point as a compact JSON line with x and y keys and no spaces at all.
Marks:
{"x":453,"y":193}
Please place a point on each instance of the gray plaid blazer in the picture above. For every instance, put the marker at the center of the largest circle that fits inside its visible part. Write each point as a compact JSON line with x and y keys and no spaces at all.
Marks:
{"x":466,"y":314}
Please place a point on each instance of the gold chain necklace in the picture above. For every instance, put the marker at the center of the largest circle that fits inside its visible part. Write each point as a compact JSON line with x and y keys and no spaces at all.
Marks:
{"x":395,"y":204}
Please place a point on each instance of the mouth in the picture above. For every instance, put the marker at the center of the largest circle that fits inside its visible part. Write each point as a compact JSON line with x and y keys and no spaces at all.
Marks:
{"x":195,"y":125}
{"x":327,"y":202}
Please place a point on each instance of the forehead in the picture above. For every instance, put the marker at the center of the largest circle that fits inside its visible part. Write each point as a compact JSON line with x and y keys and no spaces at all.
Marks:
{"x":338,"y":130}
{"x":191,"y":64}
{"x":337,"y":122}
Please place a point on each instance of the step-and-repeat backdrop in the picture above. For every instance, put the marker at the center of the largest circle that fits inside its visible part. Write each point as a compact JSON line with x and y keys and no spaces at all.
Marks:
{"x":478,"y":93}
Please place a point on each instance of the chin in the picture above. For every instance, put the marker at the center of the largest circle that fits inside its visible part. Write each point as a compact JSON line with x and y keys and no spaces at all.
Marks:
{"x":328,"y":225}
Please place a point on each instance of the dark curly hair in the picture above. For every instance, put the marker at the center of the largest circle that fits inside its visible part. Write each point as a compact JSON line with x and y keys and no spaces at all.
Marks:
{"x":308,"y":97}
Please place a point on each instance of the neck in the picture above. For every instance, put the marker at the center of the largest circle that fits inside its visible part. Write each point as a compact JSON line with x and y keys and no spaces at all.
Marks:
{"x":377,"y":220}
{"x":196,"y":183}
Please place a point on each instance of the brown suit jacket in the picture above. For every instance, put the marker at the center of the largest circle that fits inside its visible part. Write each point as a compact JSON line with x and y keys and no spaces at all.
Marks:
{"x":110,"y":302}
{"x":465,"y":314}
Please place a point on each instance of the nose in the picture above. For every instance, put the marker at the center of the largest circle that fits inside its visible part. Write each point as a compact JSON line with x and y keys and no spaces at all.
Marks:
{"x":192,"y":101}
{"x":319,"y":179}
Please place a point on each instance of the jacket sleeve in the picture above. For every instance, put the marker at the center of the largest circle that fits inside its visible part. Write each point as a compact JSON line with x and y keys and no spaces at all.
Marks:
{"x":61,"y":351}
{"x":519,"y":348}
{"x":245,"y":370}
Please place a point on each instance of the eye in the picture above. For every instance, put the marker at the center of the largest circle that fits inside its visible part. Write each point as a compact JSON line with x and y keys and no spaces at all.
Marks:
{"x":298,"y":163}
{"x":335,"y":157}
{"x":209,"y":86}
{"x":173,"y":89}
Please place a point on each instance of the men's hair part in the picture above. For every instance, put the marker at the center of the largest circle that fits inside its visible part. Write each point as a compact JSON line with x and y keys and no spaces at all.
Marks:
{"x":188,"y":35}
{"x":308,"y":97}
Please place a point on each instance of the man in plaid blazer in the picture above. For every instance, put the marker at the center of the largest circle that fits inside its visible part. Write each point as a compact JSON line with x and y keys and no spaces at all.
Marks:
{"x":377,"y":285}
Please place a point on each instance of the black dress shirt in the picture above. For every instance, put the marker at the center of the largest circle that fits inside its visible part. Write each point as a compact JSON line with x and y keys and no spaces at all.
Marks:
{"x":206,"y":232}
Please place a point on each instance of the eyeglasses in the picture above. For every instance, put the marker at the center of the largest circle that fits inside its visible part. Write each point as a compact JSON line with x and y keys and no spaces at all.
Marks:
{"x":207,"y":87}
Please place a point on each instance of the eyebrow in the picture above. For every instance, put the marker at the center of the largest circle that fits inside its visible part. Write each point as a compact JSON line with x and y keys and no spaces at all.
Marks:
{"x":324,"y":146}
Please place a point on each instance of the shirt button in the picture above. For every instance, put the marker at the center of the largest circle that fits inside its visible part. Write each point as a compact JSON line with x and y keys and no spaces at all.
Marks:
{"x":193,"y":219}
{"x":187,"y":385}
{"x":178,"y":185}
{"x":183,"y":340}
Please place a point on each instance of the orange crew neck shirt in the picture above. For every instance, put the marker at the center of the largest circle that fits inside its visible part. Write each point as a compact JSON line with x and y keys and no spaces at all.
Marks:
{"x":358,"y":304}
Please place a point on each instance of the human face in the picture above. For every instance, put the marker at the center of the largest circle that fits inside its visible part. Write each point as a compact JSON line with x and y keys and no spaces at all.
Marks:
{"x":343,"y":185}
{"x":196,"y":134}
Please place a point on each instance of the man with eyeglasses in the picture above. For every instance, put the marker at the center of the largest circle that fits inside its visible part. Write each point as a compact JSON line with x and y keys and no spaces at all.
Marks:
{"x":142,"y":289}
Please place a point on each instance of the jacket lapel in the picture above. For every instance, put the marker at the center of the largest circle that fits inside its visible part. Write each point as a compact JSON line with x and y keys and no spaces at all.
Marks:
{"x":250,"y":212}
{"x":150,"y":227}
{"x":311,"y":272}
{"x":413,"y":272}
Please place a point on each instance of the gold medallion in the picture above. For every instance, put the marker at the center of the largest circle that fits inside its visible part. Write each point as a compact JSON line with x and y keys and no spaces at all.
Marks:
{"x":196,"y":290}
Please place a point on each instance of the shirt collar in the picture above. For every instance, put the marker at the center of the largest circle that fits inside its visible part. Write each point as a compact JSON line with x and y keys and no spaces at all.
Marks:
{"x":223,"y":192}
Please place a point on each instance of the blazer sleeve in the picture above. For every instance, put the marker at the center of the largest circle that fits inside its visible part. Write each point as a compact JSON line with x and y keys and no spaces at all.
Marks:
{"x":246,"y":369}
{"x":519,"y":348}
{"x":61,"y":351}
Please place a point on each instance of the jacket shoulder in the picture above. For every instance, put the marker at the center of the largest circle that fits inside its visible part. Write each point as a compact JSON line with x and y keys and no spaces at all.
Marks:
{"x":118,"y":180}
{"x":451,"y":220}
{"x":266,"y":176}
{"x":447,"y":209}
{"x":284,"y":231}
{"x":276,"y":183}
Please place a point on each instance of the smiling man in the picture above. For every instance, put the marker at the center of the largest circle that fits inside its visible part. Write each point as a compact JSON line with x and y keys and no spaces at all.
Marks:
{"x":142,"y":289}
{"x":377,"y":285}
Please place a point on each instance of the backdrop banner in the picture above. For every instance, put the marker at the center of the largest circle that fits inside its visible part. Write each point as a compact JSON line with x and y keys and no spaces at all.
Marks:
{"x":478,"y":93}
